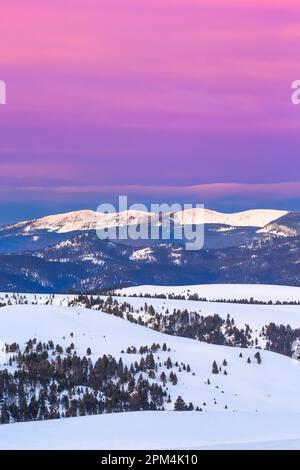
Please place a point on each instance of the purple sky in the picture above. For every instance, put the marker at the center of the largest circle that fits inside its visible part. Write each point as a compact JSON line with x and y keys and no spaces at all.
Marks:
{"x":162,"y":100}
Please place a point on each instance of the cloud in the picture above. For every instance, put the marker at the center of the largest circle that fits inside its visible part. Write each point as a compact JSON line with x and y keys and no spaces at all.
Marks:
{"x":201,"y":193}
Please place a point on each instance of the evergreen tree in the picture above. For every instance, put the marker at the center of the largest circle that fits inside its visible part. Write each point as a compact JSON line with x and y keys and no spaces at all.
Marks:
{"x":215,"y":369}
{"x":169,"y":363}
{"x":179,"y":404}
{"x":4,"y":418}
{"x":258,"y":357}
{"x":163,"y":378}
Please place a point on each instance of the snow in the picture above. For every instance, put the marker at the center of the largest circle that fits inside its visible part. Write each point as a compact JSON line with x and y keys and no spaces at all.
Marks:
{"x":157,"y":431}
{"x":145,"y":254}
{"x":278,"y":230}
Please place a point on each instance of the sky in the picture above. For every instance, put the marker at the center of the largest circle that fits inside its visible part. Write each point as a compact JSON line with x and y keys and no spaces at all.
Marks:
{"x":162,"y":100}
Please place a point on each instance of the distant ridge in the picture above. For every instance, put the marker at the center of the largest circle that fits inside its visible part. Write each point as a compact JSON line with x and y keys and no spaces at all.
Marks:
{"x":86,"y":220}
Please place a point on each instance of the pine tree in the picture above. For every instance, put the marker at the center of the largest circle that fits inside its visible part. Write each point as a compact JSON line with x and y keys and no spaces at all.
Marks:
{"x":150,"y":362}
{"x":215,"y":369}
{"x":179,"y":404}
{"x":258,"y":357}
{"x":4,"y":418}
{"x":163,"y":378}
{"x":173,"y":378}
{"x":169,"y":363}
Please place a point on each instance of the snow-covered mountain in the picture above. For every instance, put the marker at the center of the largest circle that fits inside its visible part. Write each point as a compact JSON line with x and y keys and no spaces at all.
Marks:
{"x":85,"y":220}
{"x":250,"y":218}
{"x":221,"y":230}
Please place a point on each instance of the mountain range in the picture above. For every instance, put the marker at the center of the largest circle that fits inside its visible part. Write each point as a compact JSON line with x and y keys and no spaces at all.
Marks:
{"x":221,"y":230}
{"x":62,"y":253}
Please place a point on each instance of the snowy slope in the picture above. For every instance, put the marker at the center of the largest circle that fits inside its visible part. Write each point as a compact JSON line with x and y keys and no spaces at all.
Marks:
{"x":83,"y":220}
{"x":286,"y":226}
{"x":158,"y":430}
{"x":256,"y":316}
{"x":247,"y":387}
{"x":262,"y":396}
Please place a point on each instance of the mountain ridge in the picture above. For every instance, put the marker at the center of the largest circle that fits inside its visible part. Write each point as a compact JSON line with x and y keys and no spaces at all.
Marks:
{"x":83,"y":220}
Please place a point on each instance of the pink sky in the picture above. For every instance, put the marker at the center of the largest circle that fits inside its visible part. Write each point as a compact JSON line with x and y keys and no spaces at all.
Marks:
{"x":152,"y":93}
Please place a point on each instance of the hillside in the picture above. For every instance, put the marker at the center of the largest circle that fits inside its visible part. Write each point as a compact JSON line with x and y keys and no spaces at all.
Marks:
{"x":249,"y":392}
{"x":83,"y":263}
{"x":247,"y":387}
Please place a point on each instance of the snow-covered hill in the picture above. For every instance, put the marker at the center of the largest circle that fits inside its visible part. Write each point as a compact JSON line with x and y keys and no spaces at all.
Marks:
{"x":245,"y":408}
{"x":229,"y":292}
{"x":256,"y":316}
{"x":247,"y":387}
